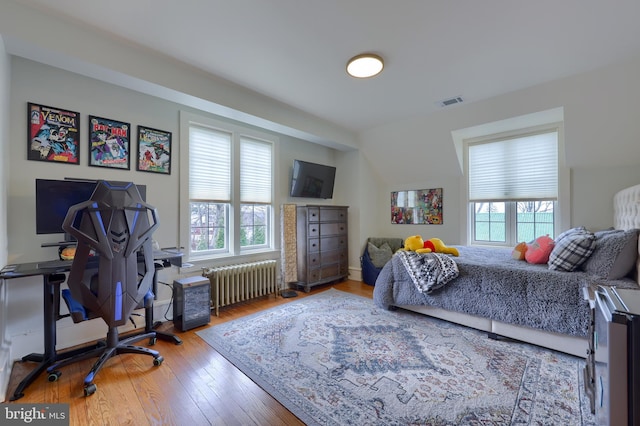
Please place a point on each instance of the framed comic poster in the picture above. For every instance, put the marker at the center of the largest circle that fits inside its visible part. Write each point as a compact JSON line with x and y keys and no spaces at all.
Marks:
{"x":53,"y":134}
{"x":109,"y":142}
{"x":154,"y":150}
{"x":416,"y":207}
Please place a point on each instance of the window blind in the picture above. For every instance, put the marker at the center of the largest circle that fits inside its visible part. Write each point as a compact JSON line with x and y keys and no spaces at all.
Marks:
{"x":209,"y":164}
{"x":522,"y":168}
{"x":256,"y":161}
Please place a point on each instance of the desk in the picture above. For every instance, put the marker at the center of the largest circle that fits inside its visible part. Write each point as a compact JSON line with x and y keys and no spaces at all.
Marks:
{"x":52,"y":277}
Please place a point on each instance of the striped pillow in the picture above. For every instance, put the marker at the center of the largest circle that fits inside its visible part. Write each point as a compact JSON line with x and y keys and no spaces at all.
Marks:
{"x":572,"y":250}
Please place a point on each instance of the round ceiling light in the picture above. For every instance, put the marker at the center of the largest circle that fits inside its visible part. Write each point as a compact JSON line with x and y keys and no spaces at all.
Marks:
{"x":365,"y":65}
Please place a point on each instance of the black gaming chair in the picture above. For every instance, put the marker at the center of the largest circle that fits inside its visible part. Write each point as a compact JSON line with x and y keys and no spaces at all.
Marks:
{"x":112,"y":271}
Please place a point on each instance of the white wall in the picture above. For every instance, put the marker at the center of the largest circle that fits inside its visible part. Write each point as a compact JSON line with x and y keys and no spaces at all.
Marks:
{"x":35,"y":82}
{"x":30,"y":34}
{"x":62,"y":43}
{"x":5,"y":358}
{"x":601,"y":138}
{"x":602,"y":143}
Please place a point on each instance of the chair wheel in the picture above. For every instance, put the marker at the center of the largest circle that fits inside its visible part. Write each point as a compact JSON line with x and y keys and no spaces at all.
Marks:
{"x":158,"y":361}
{"x":152,"y":341}
{"x":54,"y":376}
{"x":90,"y":389}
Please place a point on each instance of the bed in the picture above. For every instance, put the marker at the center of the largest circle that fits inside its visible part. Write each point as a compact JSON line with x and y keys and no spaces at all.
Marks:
{"x":528,"y":302}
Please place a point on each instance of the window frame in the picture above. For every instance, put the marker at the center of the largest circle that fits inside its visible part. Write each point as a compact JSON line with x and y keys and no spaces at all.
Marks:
{"x":510,"y":222}
{"x":561,"y":205}
{"x":233,"y":233}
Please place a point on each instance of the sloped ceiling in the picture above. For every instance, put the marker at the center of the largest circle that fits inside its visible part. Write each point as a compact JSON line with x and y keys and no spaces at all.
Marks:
{"x":296,"y":51}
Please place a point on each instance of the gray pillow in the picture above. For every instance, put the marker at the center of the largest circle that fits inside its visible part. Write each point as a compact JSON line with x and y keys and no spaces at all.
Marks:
{"x":615,"y":254}
{"x":379,"y":255}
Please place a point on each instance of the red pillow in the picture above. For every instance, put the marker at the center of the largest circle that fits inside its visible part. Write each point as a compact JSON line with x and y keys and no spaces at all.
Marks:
{"x":539,"y":250}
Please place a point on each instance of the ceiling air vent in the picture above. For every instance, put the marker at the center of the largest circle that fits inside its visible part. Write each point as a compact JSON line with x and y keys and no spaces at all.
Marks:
{"x":452,"y":101}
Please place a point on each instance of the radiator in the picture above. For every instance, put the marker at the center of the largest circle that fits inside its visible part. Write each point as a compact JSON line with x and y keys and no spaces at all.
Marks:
{"x":236,"y":283}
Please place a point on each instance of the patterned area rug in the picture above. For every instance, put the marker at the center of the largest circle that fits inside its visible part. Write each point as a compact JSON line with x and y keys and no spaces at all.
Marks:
{"x":335,"y":358}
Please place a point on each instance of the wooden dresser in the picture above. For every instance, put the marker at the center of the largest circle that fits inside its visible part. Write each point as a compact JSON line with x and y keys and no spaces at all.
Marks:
{"x":322,"y":251}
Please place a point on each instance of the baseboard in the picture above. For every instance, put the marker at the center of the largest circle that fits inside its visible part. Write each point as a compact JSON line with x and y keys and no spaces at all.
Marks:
{"x":355,"y":274}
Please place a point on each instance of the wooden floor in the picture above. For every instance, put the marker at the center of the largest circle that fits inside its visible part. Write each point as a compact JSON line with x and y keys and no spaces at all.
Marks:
{"x":194,"y":385}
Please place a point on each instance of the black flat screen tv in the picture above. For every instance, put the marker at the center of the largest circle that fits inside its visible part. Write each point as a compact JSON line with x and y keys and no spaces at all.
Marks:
{"x":312,"y":180}
{"x":54,"y":197}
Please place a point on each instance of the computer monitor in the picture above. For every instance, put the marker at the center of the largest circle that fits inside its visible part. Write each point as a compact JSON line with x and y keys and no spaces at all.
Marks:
{"x":54,"y":197}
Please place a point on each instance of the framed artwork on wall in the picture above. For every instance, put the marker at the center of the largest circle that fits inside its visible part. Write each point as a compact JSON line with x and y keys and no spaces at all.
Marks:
{"x":417,"y":207}
{"x":53,"y":134}
{"x":109,"y":142}
{"x":154,"y":150}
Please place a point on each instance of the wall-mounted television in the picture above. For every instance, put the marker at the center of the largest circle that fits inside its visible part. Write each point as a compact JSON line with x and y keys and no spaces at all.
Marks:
{"x":54,"y":197}
{"x":312,"y":180}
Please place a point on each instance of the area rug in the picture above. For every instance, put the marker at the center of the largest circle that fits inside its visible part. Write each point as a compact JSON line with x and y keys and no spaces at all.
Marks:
{"x":336,"y":359}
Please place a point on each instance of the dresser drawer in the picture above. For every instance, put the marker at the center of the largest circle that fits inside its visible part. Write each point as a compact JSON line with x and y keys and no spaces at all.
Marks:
{"x":313,"y":245}
{"x":333,"y":215}
{"x":333,"y":243}
{"x":324,"y":229}
{"x":326,"y":272}
{"x":313,"y":276}
{"x":321,"y":244}
{"x":313,"y":214}
{"x":333,"y":256}
{"x":326,"y":214}
{"x":314,"y":260}
{"x":330,"y":271}
{"x":344,"y":269}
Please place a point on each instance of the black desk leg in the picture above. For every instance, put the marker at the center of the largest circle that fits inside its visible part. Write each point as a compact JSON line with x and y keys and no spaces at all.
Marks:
{"x":149,"y":323}
{"x":149,"y":326}
{"x":51,"y":285}
{"x":51,"y":292}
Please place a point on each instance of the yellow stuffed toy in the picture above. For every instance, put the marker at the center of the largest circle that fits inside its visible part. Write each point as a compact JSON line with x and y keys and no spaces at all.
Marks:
{"x":415,"y":243}
{"x":435,"y":245}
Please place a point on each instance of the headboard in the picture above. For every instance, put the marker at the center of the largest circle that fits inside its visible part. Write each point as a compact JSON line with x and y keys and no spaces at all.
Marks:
{"x":626,"y":208}
{"x":626,"y":214}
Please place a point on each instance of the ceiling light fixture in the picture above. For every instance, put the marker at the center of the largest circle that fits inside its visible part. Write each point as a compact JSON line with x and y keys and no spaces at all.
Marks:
{"x":365,"y":65}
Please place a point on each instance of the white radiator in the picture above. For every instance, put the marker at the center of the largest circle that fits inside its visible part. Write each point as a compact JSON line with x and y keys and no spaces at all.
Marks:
{"x":236,"y":283}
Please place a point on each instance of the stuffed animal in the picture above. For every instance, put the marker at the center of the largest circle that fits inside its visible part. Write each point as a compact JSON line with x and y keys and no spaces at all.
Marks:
{"x":519,"y":251}
{"x":415,"y":243}
{"x":437,"y":246}
{"x":540,"y":250}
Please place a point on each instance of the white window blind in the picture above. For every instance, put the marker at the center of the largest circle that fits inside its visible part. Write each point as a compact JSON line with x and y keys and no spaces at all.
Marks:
{"x":522,"y":168}
{"x":255,"y":171}
{"x":209,"y":164}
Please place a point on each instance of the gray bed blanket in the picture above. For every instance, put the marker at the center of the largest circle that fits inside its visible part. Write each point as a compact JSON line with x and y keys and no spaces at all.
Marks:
{"x":491,"y":284}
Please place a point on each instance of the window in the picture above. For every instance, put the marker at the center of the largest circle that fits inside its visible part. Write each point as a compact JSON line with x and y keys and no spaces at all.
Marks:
{"x":209,"y":189}
{"x":230,"y":189}
{"x":513,"y":187}
{"x":255,"y":192}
